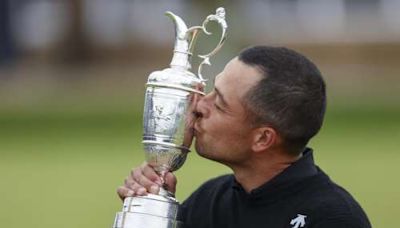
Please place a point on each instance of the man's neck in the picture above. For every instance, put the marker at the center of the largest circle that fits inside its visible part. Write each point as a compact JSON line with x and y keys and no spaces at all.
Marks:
{"x":258,"y":171}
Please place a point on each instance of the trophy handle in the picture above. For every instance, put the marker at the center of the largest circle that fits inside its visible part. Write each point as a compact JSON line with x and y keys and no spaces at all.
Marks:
{"x":219,"y":17}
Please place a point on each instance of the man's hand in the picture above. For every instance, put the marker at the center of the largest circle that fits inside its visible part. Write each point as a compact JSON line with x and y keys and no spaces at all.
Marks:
{"x":143,"y":180}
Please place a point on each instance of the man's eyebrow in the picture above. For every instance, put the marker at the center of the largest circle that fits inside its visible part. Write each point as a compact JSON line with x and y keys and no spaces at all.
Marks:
{"x":221,"y":97}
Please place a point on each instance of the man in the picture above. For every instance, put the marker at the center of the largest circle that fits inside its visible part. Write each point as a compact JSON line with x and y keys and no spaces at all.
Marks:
{"x":266,"y":105}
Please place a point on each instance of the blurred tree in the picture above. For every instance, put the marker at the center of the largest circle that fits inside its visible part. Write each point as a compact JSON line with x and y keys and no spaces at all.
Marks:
{"x":75,"y":49}
{"x":6,"y":44}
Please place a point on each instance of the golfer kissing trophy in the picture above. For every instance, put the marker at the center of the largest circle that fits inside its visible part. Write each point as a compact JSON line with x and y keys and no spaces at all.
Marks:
{"x":168,"y":118}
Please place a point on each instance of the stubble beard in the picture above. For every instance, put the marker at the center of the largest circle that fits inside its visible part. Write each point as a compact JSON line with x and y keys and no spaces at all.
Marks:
{"x":205,"y":152}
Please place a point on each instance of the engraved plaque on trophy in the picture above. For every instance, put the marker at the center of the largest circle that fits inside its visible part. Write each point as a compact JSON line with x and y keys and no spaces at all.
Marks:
{"x":167,"y":122}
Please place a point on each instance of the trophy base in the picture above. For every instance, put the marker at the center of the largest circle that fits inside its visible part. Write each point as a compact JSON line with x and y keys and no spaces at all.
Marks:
{"x":151,"y":211}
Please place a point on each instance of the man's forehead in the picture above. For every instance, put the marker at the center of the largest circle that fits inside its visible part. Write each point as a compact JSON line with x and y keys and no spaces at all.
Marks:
{"x":240,"y":73}
{"x":232,"y":61}
{"x":228,"y":65}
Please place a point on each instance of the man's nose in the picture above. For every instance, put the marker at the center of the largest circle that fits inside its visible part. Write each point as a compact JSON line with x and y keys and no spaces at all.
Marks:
{"x":200,"y":109}
{"x":197,"y":114}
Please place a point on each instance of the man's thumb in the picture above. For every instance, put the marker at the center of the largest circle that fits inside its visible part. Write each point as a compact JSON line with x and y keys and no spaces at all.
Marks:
{"x":170,"y":182}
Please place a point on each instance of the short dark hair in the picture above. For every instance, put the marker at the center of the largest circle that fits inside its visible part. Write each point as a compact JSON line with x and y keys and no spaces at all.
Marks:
{"x":290,"y":96}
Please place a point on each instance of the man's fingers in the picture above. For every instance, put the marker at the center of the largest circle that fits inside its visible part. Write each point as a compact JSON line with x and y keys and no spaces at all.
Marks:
{"x":129,"y":181}
{"x":149,"y":172}
{"x":124,"y":192}
{"x":170,"y":182}
{"x":143,"y":181}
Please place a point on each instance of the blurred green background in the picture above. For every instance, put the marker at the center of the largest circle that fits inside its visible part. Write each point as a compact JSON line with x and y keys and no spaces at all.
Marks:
{"x":72,"y":78}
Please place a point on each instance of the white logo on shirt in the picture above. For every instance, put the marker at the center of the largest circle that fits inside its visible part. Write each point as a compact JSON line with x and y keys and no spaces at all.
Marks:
{"x":299,"y":221}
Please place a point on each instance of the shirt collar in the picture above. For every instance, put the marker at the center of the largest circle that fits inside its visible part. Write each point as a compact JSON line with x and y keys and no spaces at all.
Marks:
{"x":299,"y":170}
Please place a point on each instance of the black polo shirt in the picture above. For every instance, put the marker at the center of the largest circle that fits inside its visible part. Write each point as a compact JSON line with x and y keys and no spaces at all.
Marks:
{"x":302,"y":196}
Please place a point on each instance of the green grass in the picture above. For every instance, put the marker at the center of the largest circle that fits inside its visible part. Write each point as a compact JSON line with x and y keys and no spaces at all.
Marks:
{"x":61,"y":169}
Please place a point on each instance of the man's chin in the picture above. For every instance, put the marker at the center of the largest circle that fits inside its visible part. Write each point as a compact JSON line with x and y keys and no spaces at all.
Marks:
{"x":201,"y":151}
{"x":199,"y":148}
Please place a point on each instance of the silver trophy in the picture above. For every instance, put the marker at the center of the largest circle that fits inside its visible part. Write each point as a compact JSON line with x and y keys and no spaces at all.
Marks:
{"x":168,"y":120}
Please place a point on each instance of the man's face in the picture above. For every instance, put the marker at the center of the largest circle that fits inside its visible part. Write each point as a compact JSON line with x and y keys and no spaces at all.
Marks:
{"x":223,"y":132}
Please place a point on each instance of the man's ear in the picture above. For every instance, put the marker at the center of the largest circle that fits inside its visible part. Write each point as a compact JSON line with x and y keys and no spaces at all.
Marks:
{"x":264,"y":138}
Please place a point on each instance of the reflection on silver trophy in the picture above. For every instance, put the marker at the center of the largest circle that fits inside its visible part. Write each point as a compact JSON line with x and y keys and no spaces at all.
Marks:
{"x":167,"y":122}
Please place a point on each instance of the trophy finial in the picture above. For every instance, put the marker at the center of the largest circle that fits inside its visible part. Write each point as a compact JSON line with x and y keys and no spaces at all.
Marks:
{"x":220,"y":12}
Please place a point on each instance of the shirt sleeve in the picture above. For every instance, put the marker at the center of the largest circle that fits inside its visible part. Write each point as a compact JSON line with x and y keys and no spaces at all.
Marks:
{"x":340,"y":210}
